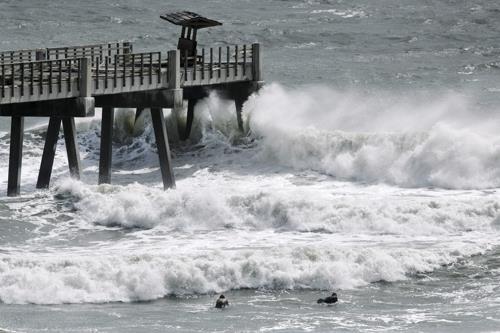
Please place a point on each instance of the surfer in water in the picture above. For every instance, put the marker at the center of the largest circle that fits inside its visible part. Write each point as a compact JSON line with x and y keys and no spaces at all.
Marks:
{"x":221,"y":302}
{"x":328,"y":300}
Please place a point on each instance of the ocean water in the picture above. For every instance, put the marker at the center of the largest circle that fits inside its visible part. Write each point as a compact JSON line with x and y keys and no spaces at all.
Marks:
{"x":371,"y":168}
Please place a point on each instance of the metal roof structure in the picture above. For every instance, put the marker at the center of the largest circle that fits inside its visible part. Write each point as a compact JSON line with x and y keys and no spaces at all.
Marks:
{"x":189,"y":19}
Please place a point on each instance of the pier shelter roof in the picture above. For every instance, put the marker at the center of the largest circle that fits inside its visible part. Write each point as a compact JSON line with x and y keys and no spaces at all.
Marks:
{"x":189,"y":19}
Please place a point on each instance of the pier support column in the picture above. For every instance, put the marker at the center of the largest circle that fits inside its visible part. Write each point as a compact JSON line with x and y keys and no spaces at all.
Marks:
{"x":238,"y":102}
{"x":189,"y":118}
{"x":69,"y":128}
{"x":138,"y":113}
{"x":174,"y":84}
{"x":49,"y":151}
{"x":167,"y":173}
{"x":15,"y":157}
{"x":105,"y":155}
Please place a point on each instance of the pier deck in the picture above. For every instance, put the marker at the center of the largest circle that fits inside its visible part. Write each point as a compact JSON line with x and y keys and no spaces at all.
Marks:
{"x":67,"y":82}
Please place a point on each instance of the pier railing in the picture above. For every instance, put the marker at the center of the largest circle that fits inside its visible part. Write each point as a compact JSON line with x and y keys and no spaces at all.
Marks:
{"x":96,"y":52}
{"x":41,"y":80}
{"x":211,"y":66}
{"x":7,"y":57}
{"x":112,"y":69}
{"x":128,"y":72}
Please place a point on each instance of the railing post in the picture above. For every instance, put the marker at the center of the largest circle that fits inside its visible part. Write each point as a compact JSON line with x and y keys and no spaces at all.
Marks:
{"x":174,"y":70}
{"x":40,"y":54}
{"x":85,"y":77}
{"x":127,"y":47}
{"x":256,"y":64}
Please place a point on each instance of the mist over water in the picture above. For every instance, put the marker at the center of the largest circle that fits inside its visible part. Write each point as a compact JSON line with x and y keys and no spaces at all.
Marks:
{"x":370,"y":168}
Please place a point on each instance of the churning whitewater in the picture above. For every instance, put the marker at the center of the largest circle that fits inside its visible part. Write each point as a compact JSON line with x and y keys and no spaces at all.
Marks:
{"x":330,"y":190}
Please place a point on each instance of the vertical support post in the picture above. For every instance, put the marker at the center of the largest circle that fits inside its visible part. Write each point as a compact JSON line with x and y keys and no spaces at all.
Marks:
{"x":69,"y":128}
{"x":15,"y":157}
{"x":256,"y":63}
{"x":167,"y":173}
{"x":85,"y":77}
{"x":40,"y":54}
{"x":105,"y":155}
{"x":127,"y":48}
{"x":174,"y":70}
{"x":238,"y":102}
{"x":49,"y":151}
{"x":189,"y":118}
{"x":138,"y":113}
{"x":174,"y":83}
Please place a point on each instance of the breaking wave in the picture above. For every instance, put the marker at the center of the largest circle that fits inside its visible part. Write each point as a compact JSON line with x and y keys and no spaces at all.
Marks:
{"x":307,"y":201}
{"x":100,"y":278}
{"x":411,"y":143}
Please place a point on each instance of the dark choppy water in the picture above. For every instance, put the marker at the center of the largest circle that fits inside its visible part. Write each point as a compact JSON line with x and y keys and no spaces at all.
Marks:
{"x":371,"y":169}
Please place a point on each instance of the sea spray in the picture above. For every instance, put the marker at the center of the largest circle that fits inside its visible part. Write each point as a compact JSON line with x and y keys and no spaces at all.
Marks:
{"x":412,"y":143}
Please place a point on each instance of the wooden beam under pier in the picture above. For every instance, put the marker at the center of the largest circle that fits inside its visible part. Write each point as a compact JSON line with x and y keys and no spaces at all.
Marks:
{"x":69,"y":107}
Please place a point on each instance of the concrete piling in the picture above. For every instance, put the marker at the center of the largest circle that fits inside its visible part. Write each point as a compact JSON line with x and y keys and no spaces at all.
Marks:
{"x":106,"y":153}
{"x":238,"y":102}
{"x":72,"y":151}
{"x":16,"y":155}
{"x":160,"y":130}
{"x":189,"y":118}
{"x":49,"y":151}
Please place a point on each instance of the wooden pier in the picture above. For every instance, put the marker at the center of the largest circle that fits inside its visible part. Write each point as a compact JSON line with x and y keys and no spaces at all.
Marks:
{"x":67,"y":82}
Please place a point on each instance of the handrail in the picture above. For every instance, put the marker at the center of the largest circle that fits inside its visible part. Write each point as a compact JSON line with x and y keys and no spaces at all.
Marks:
{"x":21,"y":55}
{"x":227,"y":61}
{"x":96,"y":52}
{"x":22,"y":79}
{"x":136,"y":68}
{"x":125,"y":72}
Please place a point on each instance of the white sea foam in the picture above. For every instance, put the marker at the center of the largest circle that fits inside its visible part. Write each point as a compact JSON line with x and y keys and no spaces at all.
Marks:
{"x":411,"y":143}
{"x":348,"y":13}
{"x":100,"y":277}
{"x":269,"y":214}
{"x":209,"y":201}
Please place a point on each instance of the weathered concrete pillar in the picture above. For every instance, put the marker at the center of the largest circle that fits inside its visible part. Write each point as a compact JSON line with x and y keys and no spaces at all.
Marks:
{"x":85,"y":77}
{"x":174,"y":83}
{"x":49,"y":151}
{"x":16,"y":155}
{"x":256,"y":63}
{"x":72,"y":151}
{"x":167,"y":173}
{"x":138,"y":113}
{"x":238,"y":102}
{"x":105,"y":155}
{"x":189,"y":118}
